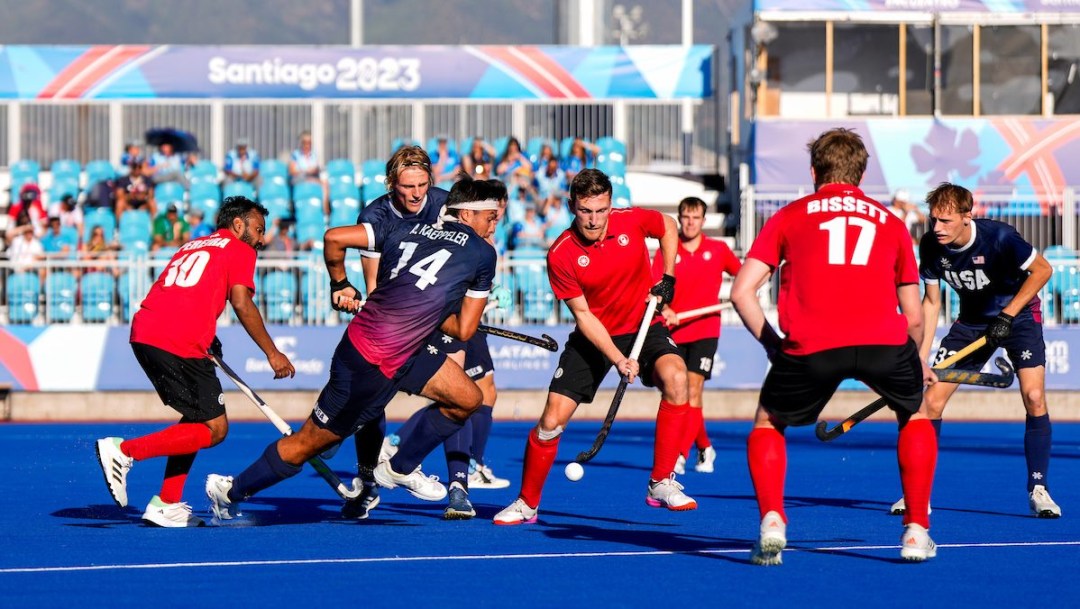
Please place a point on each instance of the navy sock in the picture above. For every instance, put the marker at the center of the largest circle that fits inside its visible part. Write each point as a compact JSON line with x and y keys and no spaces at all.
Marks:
{"x":432,"y":429}
{"x":937,"y":427}
{"x":409,"y":427}
{"x":1037,"y":435}
{"x":458,"y":449}
{"x":481,"y":429}
{"x":369,"y":440}
{"x":266,"y":471}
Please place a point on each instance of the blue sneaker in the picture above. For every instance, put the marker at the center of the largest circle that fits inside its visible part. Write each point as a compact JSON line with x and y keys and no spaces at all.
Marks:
{"x":360,"y":508}
{"x":459,"y":508}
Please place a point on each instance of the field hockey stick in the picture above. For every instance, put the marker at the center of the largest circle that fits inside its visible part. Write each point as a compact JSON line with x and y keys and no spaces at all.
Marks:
{"x":716,"y":308}
{"x":828,"y":435}
{"x":320,"y":466}
{"x":635,"y":351}
{"x":981,"y":379}
{"x":546,"y":342}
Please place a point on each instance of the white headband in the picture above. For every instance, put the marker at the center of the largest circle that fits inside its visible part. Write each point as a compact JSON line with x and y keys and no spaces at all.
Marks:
{"x":476,"y":205}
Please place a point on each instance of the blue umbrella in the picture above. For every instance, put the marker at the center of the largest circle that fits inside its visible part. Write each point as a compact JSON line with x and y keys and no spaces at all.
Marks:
{"x":181,"y":141}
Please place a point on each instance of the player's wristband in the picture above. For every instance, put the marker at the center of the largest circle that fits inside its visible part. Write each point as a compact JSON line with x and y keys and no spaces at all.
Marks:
{"x":337,"y":286}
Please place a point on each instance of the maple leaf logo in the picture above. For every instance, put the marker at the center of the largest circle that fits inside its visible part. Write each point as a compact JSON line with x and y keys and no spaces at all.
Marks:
{"x":947,"y":154}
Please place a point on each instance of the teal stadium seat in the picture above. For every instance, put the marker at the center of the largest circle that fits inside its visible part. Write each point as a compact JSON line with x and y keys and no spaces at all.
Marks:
{"x":373,"y":182}
{"x":97,"y":171}
{"x":311,"y":229}
{"x":204,"y":172}
{"x":135,"y":231}
{"x":238,"y":188}
{"x":24,"y":297}
{"x":99,"y":216}
{"x":341,"y":171}
{"x":65,"y":185}
{"x":620,"y":196}
{"x":169,"y":193}
{"x":535,"y":145}
{"x":273,"y":171}
{"x":279,"y":290}
{"x":60,"y":291}
{"x":98,"y":290}
{"x":308,"y":201}
{"x":275,"y":197}
{"x":206,"y":196}
{"x":65,"y":169}
{"x":611,"y":148}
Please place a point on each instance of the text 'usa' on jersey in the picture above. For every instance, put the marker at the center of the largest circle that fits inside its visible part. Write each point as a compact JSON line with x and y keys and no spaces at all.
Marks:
{"x":986,"y":273}
{"x":429,"y":270}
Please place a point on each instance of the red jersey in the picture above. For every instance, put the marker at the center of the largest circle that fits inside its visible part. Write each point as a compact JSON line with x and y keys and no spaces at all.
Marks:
{"x":843,"y":257}
{"x":612,"y":273}
{"x":698,"y":275}
{"x":180,"y":313}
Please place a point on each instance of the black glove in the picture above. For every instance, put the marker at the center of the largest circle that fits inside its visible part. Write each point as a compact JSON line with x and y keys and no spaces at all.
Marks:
{"x":665,"y":289}
{"x":215,"y":348}
{"x":999,"y":328}
{"x":337,"y":286}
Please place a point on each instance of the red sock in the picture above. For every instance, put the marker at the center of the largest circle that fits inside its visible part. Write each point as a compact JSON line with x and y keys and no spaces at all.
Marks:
{"x":916,"y":452}
{"x":179,"y":439}
{"x":691,"y":424}
{"x":766,"y":452}
{"x":539,"y":456}
{"x":176,"y":472}
{"x":702,"y":440}
{"x":670,"y":420}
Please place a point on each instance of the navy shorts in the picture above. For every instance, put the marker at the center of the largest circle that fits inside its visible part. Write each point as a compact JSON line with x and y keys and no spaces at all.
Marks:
{"x":478,"y":362}
{"x":358,"y":391}
{"x":582,"y":367}
{"x":699,"y":356}
{"x":798,"y":387}
{"x":1024,"y":345}
{"x":189,"y":386}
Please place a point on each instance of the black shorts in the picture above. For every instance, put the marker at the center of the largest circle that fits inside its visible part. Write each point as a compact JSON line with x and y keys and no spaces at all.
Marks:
{"x":699,"y":356}
{"x":798,"y":387}
{"x":582,"y":367}
{"x":478,"y":362}
{"x":188,"y":386}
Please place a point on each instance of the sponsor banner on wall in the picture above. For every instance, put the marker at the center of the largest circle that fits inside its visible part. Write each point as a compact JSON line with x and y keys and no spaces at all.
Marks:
{"x":383,"y":72}
{"x":99,"y":358}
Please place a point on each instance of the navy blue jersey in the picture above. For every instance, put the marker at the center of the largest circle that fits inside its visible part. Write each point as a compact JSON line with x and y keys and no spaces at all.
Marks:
{"x":429,"y":269}
{"x":986,"y":273}
{"x":381,"y":212}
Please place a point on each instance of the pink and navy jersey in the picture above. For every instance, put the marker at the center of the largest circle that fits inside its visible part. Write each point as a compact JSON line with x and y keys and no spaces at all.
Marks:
{"x":986,"y":273}
{"x":425,"y":272}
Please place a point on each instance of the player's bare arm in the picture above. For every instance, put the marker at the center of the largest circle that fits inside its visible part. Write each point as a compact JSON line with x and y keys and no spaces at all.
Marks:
{"x":248,"y":314}
{"x":1039,"y":273}
{"x":598,"y":335}
{"x":343,"y":296}
{"x":911,"y":308}
{"x":931,"y":308}
{"x":751,"y":277}
{"x":462,"y":325}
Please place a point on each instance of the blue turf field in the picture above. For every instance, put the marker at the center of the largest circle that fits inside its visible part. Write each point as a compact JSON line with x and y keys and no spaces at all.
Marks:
{"x":597,"y":544}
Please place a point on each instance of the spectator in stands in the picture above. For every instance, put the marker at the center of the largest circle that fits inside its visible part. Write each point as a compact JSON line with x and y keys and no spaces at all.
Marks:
{"x":69,"y":213}
{"x":25,"y":249}
{"x":132,"y":150}
{"x":53,"y":243}
{"x":445,"y":163}
{"x":902,"y":207}
{"x":581,"y":157}
{"x":557,"y":218}
{"x":477,"y":163}
{"x":278,"y":238}
{"x":542,"y":159}
{"x":6,"y":224}
{"x":304,"y":162}
{"x":551,"y":185}
{"x":135,"y":190}
{"x":241,"y":163}
{"x":528,"y":233}
{"x":30,"y":202}
{"x":513,"y":163}
{"x":98,"y":248}
{"x":199,"y":227}
{"x":102,"y":194}
{"x":166,"y":165}
{"x":170,"y":230}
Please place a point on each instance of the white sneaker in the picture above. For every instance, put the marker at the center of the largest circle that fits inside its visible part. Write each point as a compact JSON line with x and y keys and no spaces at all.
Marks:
{"x":170,"y":515}
{"x":772,"y":539}
{"x":389,"y":447}
{"x":669,"y":493}
{"x":483,"y":477}
{"x":115,"y":465}
{"x":916,"y":544}
{"x":420,"y":486}
{"x":516,"y":513}
{"x":900,"y":508}
{"x":705,"y":460}
{"x":217,"y":489}
{"x":1041,"y":503}
{"x":680,"y":465}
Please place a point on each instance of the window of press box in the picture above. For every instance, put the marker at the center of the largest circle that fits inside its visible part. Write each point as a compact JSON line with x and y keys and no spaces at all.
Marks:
{"x":1063,"y":68}
{"x":865,"y":69}
{"x":795,"y":73}
{"x":1010,"y":69}
{"x":919,"y":69}
{"x":957,"y":75}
